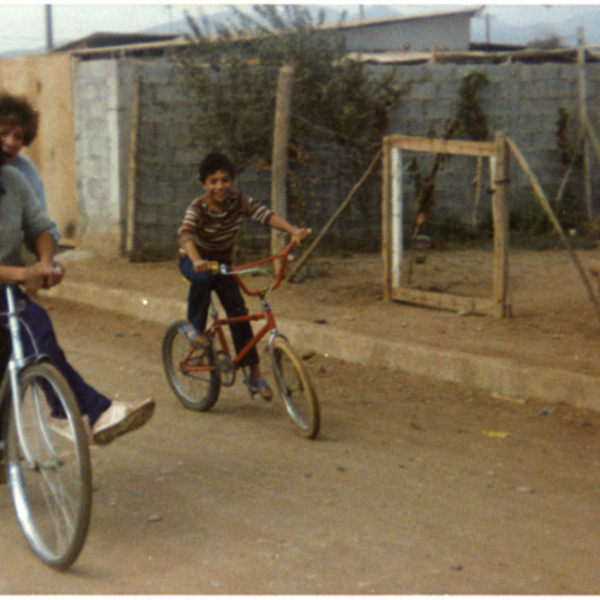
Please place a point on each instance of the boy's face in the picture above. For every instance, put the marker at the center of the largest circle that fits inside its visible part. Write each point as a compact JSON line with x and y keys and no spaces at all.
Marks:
{"x":12,"y":141}
{"x":218,"y":187}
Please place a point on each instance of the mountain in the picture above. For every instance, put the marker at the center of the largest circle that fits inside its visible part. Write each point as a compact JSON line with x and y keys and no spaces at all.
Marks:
{"x":331,"y":16}
{"x":506,"y":24}
{"x":524,"y":24}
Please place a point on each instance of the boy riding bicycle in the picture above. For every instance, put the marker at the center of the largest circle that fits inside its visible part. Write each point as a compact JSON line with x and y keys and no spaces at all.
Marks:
{"x":207,"y":235}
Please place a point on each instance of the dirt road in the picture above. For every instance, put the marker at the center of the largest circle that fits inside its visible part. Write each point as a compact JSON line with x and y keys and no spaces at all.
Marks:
{"x":413,"y":487}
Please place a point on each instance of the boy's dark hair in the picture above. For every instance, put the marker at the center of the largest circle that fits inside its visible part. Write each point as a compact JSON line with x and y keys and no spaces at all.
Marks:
{"x":16,"y":111}
{"x":215,"y":162}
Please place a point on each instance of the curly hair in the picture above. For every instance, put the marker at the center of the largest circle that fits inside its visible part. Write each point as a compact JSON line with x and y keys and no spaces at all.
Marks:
{"x":16,"y":111}
{"x":215,"y":162}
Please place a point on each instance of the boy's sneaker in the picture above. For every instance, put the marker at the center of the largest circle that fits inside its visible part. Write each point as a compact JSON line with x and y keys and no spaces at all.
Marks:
{"x":121,"y":418}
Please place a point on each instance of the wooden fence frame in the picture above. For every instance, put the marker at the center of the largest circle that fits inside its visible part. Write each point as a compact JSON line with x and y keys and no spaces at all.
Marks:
{"x":392,"y":222}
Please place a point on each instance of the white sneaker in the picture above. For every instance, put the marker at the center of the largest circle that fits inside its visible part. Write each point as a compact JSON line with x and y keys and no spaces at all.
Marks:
{"x":62,"y":427}
{"x":121,"y":418}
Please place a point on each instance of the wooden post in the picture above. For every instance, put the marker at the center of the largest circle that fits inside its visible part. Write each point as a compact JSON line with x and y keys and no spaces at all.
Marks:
{"x":279,"y":166}
{"x":582,"y":112}
{"x":474,"y":217}
{"x":386,"y":218}
{"x":557,"y":226}
{"x":593,"y":139}
{"x":397,"y":216}
{"x":133,"y":168}
{"x":500,"y":211}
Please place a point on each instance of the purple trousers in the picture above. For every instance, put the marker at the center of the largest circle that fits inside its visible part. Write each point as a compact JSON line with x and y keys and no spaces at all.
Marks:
{"x":90,"y":402}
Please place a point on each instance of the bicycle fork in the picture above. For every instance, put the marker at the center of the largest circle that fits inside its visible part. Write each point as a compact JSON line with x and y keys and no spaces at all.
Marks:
{"x":276,"y":370}
{"x":16,"y":363}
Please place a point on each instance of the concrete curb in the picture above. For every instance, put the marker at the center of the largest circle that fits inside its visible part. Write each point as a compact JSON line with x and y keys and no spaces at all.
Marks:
{"x":503,"y":377}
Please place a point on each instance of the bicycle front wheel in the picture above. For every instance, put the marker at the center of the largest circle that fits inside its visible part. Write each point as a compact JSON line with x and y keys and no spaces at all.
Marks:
{"x":295,"y":388}
{"x":196,"y":390}
{"x":48,"y":465}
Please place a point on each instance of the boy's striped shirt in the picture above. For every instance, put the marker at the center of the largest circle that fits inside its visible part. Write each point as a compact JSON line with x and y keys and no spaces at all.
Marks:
{"x":214,"y":233}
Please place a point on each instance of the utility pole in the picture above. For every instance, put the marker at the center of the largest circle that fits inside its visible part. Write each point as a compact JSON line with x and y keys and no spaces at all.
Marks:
{"x":49,"y":41}
{"x":488,"y":19}
{"x":170,"y":9}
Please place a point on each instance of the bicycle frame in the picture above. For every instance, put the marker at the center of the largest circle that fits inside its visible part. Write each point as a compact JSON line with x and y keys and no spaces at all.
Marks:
{"x":215,"y":330}
{"x":16,"y":363}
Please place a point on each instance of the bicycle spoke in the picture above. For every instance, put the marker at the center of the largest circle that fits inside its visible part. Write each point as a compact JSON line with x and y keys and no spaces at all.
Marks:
{"x":196,"y":390}
{"x":295,"y":388}
{"x":49,"y":470}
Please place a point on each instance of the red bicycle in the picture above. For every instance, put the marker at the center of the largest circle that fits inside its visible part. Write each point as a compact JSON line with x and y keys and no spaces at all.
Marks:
{"x":196,"y":375}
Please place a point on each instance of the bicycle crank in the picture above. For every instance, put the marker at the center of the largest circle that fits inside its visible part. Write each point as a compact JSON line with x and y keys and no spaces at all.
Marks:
{"x":225,"y":368}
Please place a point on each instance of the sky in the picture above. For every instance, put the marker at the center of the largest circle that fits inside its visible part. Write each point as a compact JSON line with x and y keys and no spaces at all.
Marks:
{"x":24,"y":25}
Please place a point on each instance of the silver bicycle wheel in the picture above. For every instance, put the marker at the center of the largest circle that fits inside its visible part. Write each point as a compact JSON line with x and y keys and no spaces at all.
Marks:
{"x":48,"y":465}
{"x":196,"y":390}
{"x":295,"y":388}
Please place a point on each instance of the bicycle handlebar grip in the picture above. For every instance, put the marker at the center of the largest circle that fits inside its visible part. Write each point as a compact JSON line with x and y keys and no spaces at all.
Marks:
{"x":297,"y":239}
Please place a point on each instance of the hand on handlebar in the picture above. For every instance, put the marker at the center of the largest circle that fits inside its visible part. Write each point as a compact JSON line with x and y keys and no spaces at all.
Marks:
{"x":33,"y":279}
{"x":301,"y":234}
{"x":204,"y":266}
{"x":52,"y":272}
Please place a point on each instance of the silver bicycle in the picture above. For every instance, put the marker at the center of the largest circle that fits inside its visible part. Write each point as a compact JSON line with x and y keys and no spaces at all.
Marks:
{"x":46,"y":451}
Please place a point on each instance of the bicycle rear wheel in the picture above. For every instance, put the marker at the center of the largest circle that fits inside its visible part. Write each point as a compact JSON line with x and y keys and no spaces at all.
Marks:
{"x":197,"y":390}
{"x":48,"y":465}
{"x":295,"y":388}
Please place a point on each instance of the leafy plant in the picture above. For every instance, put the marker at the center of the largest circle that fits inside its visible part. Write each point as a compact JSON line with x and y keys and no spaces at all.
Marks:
{"x":568,"y":150}
{"x":472,"y":120}
{"x":336,"y":101}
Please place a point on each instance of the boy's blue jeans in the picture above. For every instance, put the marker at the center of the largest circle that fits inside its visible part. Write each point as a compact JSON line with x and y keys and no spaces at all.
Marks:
{"x":228,"y":291}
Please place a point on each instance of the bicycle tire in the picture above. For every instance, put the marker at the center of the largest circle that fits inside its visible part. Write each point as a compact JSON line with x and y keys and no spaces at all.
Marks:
{"x":52,"y":494}
{"x":295,"y":388}
{"x":196,"y":390}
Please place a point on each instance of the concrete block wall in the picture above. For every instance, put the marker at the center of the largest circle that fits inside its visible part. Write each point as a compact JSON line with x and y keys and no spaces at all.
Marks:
{"x":168,"y":156}
{"x":521,"y":100}
{"x":99,"y":195}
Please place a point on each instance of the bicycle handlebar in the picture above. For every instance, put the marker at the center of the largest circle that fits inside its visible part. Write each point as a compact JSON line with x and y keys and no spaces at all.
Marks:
{"x":252,"y":267}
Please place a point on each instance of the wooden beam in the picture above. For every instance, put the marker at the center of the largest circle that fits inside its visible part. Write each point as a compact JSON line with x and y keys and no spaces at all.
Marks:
{"x":439,"y":146}
{"x":386,"y":220}
{"x":444,"y":301}
{"x":592,"y":135}
{"x":557,"y":226}
{"x":397,"y":216}
{"x":335,"y":216}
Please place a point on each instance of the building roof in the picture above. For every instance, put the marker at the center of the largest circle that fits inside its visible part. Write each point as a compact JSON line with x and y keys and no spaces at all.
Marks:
{"x":470,"y":12}
{"x":105,"y":40}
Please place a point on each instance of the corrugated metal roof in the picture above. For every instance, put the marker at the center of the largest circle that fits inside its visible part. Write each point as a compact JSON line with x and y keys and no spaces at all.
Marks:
{"x":122,"y":40}
{"x":471,"y":12}
{"x":104,"y":40}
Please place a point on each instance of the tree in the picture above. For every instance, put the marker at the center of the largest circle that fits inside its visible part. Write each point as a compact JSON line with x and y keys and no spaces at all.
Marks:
{"x":336,"y":100}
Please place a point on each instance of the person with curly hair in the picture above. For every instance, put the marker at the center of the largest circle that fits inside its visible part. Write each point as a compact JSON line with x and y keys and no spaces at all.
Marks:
{"x":19,"y":123}
{"x":23,"y":220}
